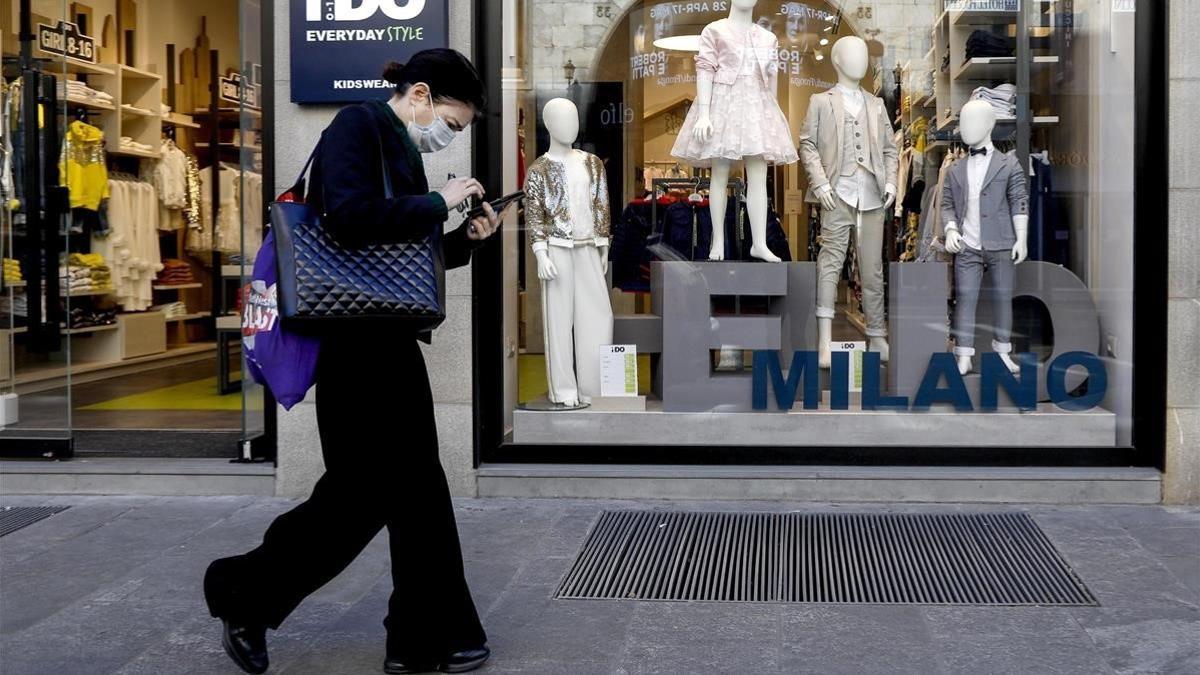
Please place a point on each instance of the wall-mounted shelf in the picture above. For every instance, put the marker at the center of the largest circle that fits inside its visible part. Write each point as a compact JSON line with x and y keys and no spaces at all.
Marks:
{"x":130,"y":110}
{"x":176,"y":287}
{"x":980,"y":18}
{"x":232,"y":146}
{"x":187,"y":317}
{"x":130,"y":152}
{"x":81,"y":68}
{"x":91,"y":329}
{"x":996,"y":67}
{"x":138,"y":73}
{"x":177,"y":120}
{"x":89,"y":103}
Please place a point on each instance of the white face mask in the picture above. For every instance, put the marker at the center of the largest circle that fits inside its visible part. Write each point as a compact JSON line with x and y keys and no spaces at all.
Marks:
{"x":436,"y":136}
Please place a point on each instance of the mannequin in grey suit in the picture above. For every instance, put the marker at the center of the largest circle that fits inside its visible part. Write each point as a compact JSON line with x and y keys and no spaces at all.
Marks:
{"x":850,"y":156}
{"x":985,"y":205}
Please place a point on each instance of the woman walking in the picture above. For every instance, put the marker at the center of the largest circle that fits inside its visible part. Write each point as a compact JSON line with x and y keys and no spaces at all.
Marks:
{"x":374,"y":406}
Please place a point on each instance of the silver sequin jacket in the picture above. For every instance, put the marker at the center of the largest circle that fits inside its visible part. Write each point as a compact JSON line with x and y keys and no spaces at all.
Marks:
{"x":548,"y":204}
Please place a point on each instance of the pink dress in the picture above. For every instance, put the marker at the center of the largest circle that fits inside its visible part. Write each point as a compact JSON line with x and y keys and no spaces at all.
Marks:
{"x":743,"y":64}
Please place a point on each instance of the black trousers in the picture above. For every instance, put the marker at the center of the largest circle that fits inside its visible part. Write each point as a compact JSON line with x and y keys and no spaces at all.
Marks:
{"x":379,"y":442}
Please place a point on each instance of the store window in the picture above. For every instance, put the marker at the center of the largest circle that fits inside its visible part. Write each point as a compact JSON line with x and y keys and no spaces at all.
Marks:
{"x":131,"y":214}
{"x":924,"y":224}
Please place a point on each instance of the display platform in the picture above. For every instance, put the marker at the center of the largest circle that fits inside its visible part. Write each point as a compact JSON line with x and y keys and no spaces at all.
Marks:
{"x":1048,"y":426}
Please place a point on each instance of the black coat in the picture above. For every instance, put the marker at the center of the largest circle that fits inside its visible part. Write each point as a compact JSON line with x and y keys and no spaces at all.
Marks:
{"x":347,"y":184}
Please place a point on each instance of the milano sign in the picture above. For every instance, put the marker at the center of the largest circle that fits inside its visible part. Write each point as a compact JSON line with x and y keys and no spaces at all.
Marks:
{"x":339,"y":47}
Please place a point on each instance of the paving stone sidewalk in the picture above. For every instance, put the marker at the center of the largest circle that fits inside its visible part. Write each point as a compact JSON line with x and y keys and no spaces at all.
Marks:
{"x":112,"y":585}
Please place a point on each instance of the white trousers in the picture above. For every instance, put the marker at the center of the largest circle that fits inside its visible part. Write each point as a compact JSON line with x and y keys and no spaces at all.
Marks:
{"x":578,"y":319}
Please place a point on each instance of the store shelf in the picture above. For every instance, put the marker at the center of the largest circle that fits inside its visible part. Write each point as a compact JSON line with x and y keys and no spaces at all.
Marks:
{"x":91,"y":104}
{"x":231,"y":146}
{"x":1045,"y":120}
{"x":176,"y":287}
{"x":227,"y":112}
{"x":138,"y":112}
{"x":129,"y":152}
{"x":187,"y":317}
{"x":981,"y":18}
{"x":16,"y":284}
{"x":80,"y":68}
{"x":235,"y":271}
{"x":996,"y":67}
{"x":90,"y":329}
{"x":177,"y":120}
{"x":131,"y":72}
{"x":20,"y":330}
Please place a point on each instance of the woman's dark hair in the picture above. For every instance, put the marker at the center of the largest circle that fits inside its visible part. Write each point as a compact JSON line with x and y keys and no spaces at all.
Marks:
{"x":448,"y":73}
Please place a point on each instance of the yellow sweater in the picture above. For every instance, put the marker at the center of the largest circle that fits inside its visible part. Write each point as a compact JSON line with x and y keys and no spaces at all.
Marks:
{"x":83,"y":168}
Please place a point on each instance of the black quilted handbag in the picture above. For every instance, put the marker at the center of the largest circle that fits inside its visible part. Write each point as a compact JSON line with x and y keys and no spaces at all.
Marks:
{"x":321,"y":281}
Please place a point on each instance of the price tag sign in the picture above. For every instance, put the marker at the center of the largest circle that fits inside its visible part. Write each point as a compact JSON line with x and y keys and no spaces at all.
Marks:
{"x":618,"y":371}
{"x":66,"y":40}
{"x":1124,"y":6}
{"x":856,"y":350}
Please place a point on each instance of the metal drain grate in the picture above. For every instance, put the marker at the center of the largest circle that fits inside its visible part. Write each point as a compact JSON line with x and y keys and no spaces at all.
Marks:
{"x":13,"y":518}
{"x":958,"y":559}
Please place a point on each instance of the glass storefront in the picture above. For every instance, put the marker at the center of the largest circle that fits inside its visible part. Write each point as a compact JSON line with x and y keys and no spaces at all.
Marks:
{"x":947,"y":185}
{"x":132,"y":210}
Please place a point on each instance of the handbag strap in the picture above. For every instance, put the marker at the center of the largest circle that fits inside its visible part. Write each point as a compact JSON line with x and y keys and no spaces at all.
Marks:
{"x":388,"y":193}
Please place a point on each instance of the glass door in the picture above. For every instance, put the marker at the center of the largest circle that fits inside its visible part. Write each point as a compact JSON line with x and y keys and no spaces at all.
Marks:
{"x":251,"y":202}
{"x":43,"y":50}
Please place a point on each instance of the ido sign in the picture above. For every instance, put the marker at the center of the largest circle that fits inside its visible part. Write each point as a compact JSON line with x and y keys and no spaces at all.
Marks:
{"x":66,"y":40}
{"x":340,"y":47}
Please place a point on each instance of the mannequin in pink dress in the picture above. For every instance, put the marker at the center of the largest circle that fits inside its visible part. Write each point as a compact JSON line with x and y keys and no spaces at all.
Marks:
{"x":736,"y":117}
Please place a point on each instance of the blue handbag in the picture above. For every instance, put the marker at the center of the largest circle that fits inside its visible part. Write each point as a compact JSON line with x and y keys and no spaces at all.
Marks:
{"x":321,"y":281}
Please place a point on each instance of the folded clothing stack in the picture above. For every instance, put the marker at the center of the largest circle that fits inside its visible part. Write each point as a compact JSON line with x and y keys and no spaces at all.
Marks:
{"x":78,"y":91}
{"x":175,"y":273}
{"x":87,"y":272}
{"x":1002,"y":98}
{"x":12,"y":271}
{"x":91,"y":317}
{"x":16,"y":306}
{"x":172,"y":310}
{"x":127,"y":143}
{"x":984,"y":44}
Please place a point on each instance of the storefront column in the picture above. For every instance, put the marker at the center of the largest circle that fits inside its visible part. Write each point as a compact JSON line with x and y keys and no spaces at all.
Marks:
{"x":1181,"y":482}
{"x":449,"y":358}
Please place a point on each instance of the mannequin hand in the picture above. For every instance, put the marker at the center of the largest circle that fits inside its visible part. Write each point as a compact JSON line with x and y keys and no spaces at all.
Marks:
{"x":546,"y":269}
{"x":889,"y":196}
{"x":703,"y":131}
{"x":954,"y":241}
{"x":1020,"y":252}
{"x":604,"y":259}
{"x":828,"y":200}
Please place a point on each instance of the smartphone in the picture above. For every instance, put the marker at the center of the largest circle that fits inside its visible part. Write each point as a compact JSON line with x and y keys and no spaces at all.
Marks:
{"x":497,"y":205}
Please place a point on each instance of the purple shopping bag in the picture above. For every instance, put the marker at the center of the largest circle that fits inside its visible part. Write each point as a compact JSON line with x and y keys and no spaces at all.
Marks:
{"x":282,"y":361}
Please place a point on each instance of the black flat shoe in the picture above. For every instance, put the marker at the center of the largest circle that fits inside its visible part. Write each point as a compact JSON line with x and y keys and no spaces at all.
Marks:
{"x":464,"y":661}
{"x":247,"y":646}
{"x":458,"y":662}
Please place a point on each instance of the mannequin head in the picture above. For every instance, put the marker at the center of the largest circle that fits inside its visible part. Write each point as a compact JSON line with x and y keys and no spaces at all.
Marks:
{"x":561,"y":118}
{"x":975,"y":123}
{"x":744,"y":4}
{"x":851,"y":58}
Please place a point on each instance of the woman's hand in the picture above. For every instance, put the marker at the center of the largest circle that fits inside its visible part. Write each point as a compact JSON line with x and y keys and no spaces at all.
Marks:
{"x":486,"y":225}
{"x":459,"y":190}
